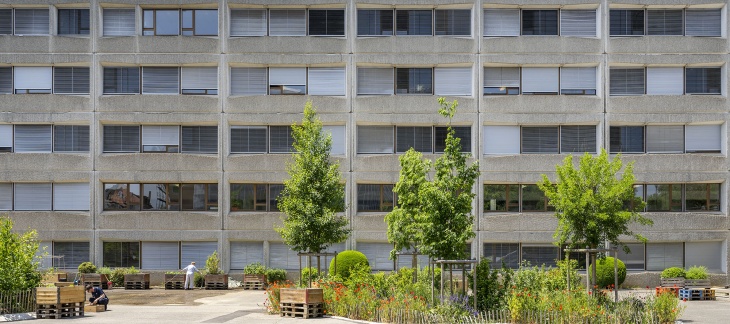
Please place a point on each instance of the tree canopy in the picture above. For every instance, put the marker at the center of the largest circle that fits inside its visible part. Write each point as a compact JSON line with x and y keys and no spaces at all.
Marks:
{"x":19,"y":265}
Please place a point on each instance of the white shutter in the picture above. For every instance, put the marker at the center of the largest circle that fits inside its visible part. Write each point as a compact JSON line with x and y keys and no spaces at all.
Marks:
{"x":501,"y":139}
{"x":291,"y":22}
{"x":327,"y":81}
{"x":248,"y":22}
{"x":118,"y":22}
{"x":6,"y":136}
{"x":453,"y":81}
{"x":6,"y":196}
{"x":374,"y":81}
{"x":245,"y":253}
{"x":282,"y":257}
{"x":160,"y":256}
{"x":703,"y":138}
{"x":664,"y":81}
{"x":665,"y":139}
{"x":33,"y":77}
{"x":378,"y":255}
{"x":374,"y":139}
{"x":33,"y":138}
{"x":71,"y":196}
{"x":287,"y":76}
{"x":198,"y":252}
{"x":160,"y":135}
{"x":501,"y":22}
{"x":498,"y":77}
{"x":31,"y":22}
{"x":160,"y":80}
{"x":338,"y":138}
{"x":33,"y":196}
{"x":660,"y":256}
{"x":582,"y":78}
{"x":540,"y":79}
{"x":200,"y":78}
{"x":703,"y":22}
{"x":706,"y":254}
{"x":580,"y":23}
{"x":248,"y":81}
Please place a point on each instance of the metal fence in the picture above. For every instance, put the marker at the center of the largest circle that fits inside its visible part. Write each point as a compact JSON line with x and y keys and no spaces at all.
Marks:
{"x":17,"y":302}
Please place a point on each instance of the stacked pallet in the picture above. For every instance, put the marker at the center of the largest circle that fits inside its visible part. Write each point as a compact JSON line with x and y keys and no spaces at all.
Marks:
{"x":58,"y":302}
{"x":697,"y":294}
{"x":301,"y":310}
{"x":254,"y":285}
{"x":136,"y":285}
{"x":175,"y":285}
{"x":301,"y":303}
{"x":216,"y":285}
{"x":137,"y":281}
{"x":57,"y":311}
{"x":254,"y":281}
{"x":174,"y":281}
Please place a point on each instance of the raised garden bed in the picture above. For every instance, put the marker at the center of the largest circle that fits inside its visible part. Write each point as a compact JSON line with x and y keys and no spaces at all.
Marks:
{"x":57,"y":302}
{"x":302,"y":303}
{"x":254,"y":281}
{"x":697,"y":283}
{"x":55,"y":277}
{"x":673,"y":282}
{"x":95,"y":279}
{"x":219,"y":281}
{"x":137,"y":281}
{"x":175,"y":281}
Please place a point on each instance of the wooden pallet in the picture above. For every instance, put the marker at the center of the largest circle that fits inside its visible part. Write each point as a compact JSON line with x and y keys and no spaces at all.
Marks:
{"x":661,"y":290}
{"x":301,"y":310}
{"x":216,"y":285}
{"x":57,"y":311}
{"x":175,"y":285}
{"x":697,"y":294}
{"x":136,"y":285}
{"x":254,"y":285}
{"x":672,"y":282}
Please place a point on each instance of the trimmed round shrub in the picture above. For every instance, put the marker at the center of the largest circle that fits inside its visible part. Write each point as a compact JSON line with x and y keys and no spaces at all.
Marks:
{"x":87,"y":267}
{"x":673,"y":272}
{"x":346,"y":261}
{"x":604,"y":272}
{"x":697,"y":272}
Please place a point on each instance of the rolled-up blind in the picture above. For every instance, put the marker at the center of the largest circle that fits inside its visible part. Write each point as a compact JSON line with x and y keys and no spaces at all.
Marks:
{"x":338,"y":138}
{"x":248,"y":139}
{"x":453,"y":22}
{"x":282,"y":257}
{"x":627,"y":81}
{"x":539,"y":80}
{"x":580,"y":23}
{"x":31,"y":22}
{"x":33,"y":138}
{"x":453,"y":81}
{"x":501,"y":139}
{"x":660,"y":256}
{"x":375,"y":81}
{"x":71,"y":138}
{"x":164,"y":80}
{"x":200,"y":78}
{"x":199,"y":139}
{"x":160,"y":256}
{"x":71,"y":196}
{"x":6,"y":196}
{"x":378,"y":255}
{"x":703,"y":138}
{"x":6,"y":137}
{"x":287,"y":22}
{"x":664,"y":22}
{"x":707,"y":254}
{"x":197,"y":252}
{"x":6,"y":80}
{"x":160,"y":135}
{"x":540,"y":139}
{"x":665,"y":139}
{"x":374,"y":139}
{"x":327,"y":81}
{"x":501,"y":22}
{"x":280,"y":139}
{"x":664,"y":81}
{"x":71,"y":80}
{"x":121,"y":80}
{"x":248,"y":81}
{"x":703,"y":22}
{"x":502,"y":77}
{"x":577,"y":78}
{"x":287,"y":76}
{"x":245,"y":253}
{"x":248,"y":22}
{"x":72,"y":253}
{"x":578,"y":139}
{"x":121,"y":138}
{"x":33,"y":196}
{"x":33,"y":77}
{"x":118,"y":22}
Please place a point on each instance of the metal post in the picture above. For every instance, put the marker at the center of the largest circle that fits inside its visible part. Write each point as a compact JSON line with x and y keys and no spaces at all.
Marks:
{"x":463,"y":279}
{"x":588,"y":275}
{"x":432,"y":270}
{"x":615,"y":275}
{"x":300,"y":267}
{"x":442,"y":282}
{"x":475,"y":283}
{"x":451,"y":278}
{"x":567,"y":260}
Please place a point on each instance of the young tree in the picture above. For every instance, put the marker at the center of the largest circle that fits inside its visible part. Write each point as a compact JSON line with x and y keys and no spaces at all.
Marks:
{"x":18,"y":262}
{"x":315,"y":193}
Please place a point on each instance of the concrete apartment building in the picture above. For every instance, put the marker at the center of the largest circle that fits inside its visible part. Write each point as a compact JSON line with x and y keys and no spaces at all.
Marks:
{"x":150,"y":134}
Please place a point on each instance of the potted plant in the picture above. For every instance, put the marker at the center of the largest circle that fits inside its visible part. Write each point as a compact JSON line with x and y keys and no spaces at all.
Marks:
{"x":215,"y":278}
{"x":90,"y":276}
{"x":673,"y":277}
{"x":697,"y":276}
{"x":52,"y":275}
{"x":174,"y":280}
{"x":254,"y":276}
{"x":133,"y":279}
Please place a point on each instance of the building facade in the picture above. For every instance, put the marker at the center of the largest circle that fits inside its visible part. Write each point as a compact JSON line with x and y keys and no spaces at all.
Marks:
{"x":151,"y":134}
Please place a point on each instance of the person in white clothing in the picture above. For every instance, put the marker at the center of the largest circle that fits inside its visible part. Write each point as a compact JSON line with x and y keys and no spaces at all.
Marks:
{"x":190,"y":275}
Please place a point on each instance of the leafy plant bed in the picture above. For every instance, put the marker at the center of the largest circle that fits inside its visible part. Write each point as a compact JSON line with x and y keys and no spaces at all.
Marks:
{"x":174,"y":281}
{"x":216,"y":281}
{"x":55,"y":277}
{"x":95,"y":279}
{"x":697,"y":283}
{"x":673,"y":282}
{"x":254,"y":281}
{"x":137,"y":281}
{"x":57,"y":302}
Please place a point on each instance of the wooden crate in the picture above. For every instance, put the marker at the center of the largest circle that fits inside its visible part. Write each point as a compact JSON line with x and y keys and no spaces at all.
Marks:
{"x":60,"y":295}
{"x":55,"y":277}
{"x":94,"y":308}
{"x":57,"y":311}
{"x":95,"y":279}
{"x":254,"y":285}
{"x":301,"y":310}
{"x":137,"y":281}
{"x":674,"y":290}
{"x":301,"y":296}
{"x":216,"y":281}
{"x":253,"y":281}
{"x":697,"y":283}
{"x":673,"y":282}
{"x":175,"y":281}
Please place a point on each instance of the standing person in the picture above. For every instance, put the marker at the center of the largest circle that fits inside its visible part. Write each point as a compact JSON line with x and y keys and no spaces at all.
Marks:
{"x":98,"y":297}
{"x":190,"y":275}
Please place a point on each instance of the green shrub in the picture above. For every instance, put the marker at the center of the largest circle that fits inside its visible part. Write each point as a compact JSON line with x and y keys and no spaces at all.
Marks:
{"x":131,"y":270}
{"x":492,"y":292}
{"x":605,"y":272}
{"x":212,"y":264}
{"x":666,"y":307}
{"x":87,"y":267}
{"x":104,"y":270}
{"x":307,"y":273}
{"x":255,"y":268}
{"x":673,"y":272}
{"x":346,"y":261}
{"x":117,"y":277}
{"x":275,"y":275}
{"x":199,"y":279}
{"x":697,"y":272}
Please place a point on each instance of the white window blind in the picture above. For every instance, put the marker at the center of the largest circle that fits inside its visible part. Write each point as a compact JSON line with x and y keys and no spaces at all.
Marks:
{"x":287,"y":76}
{"x":71,"y":196}
{"x":281,"y":256}
{"x":199,"y":139}
{"x":160,"y":256}
{"x":375,"y":81}
{"x":248,"y":81}
{"x":501,"y":139}
{"x":6,"y":196}
{"x":6,"y":138}
{"x":160,"y":80}
{"x":31,"y":22}
{"x":374,"y":139}
{"x":581,"y":23}
{"x":73,"y":253}
{"x":378,"y":255}
{"x":196,"y":251}
{"x":291,"y":22}
{"x":33,"y":138}
{"x":540,"y":139}
{"x":33,"y":196}
{"x":338,"y":138}
{"x":627,"y":81}
{"x":635,"y":259}
{"x":205,"y":78}
{"x":665,"y":139}
{"x":33,"y":77}
{"x":502,"y":77}
{"x":703,"y":138}
{"x":501,"y":22}
{"x":160,"y":135}
{"x":248,"y":22}
{"x":245,"y":253}
{"x":118,"y":22}
{"x":577,"y":78}
{"x":708,"y":254}
{"x":578,"y":139}
{"x":453,"y":81}
{"x":540,"y":80}
{"x":664,"y":21}
{"x":664,"y":81}
{"x":660,"y":256}
{"x":327,"y":81}
{"x":703,"y":22}
{"x":121,"y":138}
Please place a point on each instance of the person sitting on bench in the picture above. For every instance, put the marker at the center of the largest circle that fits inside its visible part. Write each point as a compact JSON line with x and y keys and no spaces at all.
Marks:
{"x":98,"y":297}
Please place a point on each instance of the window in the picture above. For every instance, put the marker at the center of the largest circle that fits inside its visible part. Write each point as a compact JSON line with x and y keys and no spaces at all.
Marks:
{"x":121,"y":254}
{"x":73,"y":21}
{"x":627,"y":139}
{"x":161,"y":196}
{"x":660,"y":256}
{"x":703,"y":22}
{"x":627,"y":22}
{"x":539,"y":80}
{"x":121,"y":139}
{"x":44,"y":196}
{"x":664,"y":22}
{"x":418,"y":138}
{"x":452,"y":81}
{"x":160,"y":80}
{"x":374,"y":22}
{"x":414,"y":22}
{"x":197,"y":252}
{"x":501,"y":197}
{"x":6,"y":138}
{"x":121,"y":80}
{"x":199,"y":139}
{"x":500,"y":139}
{"x":287,"y":22}
{"x":200,"y":196}
{"x":199,"y":80}
{"x":375,"y":139}
{"x":71,"y":254}
{"x":6,"y":80}
{"x":664,"y":80}
{"x":248,"y":81}
{"x":33,"y":138}
{"x":71,"y":196}
{"x":70,"y":138}
{"x":255,"y":197}
{"x":44,"y":138}
{"x":665,"y":139}
{"x":703,"y":138}
{"x":118,"y":22}
{"x":328,"y":81}
{"x":248,"y":139}
{"x":704,"y":254}
{"x":578,"y":139}
{"x":513,"y":139}
{"x":33,"y":79}
{"x":280,"y":139}
{"x":689,"y":22}
{"x":287,"y":80}
{"x":461,"y":132}
{"x":326,"y":22}
{"x":375,"y":81}
{"x":6,"y":196}
{"x":540,"y":139}
{"x":414,"y":81}
{"x":167,"y":22}
{"x":540,"y":255}
{"x":33,"y":196}
{"x":501,"y":80}
{"x":375,"y":197}
{"x":539,"y":22}
{"x":248,"y":22}
{"x":702,"y":197}
{"x":534,"y":200}
{"x":663,"y":197}
{"x":501,"y":22}
{"x":635,"y":259}
{"x":160,"y":255}
{"x":453,"y":22}
{"x":160,"y":139}
{"x":245,"y":253}
{"x":338,"y":138}
{"x":71,"y":80}
{"x":703,"y":81}
{"x":502,"y":253}
{"x":31,"y":22}
{"x":425,"y":139}
{"x":579,"y":23}
{"x":6,"y":21}
{"x":121,"y":196}
{"x":627,"y":81}
{"x":578,"y":81}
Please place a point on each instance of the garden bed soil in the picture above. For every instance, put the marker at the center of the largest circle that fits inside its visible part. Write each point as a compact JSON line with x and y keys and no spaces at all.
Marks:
{"x":159,"y":297}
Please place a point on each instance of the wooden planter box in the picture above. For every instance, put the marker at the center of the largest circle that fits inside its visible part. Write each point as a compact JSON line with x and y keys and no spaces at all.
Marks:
{"x":95,"y":279}
{"x":55,"y":277}
{"x":137,"y":281}
{"x":673,"y":282}
{"x":216,"y":281}
{"x":301,"y":303}
{"x":254,"y":281}
{"x":175,"y":281}
{"x":58,"y":302}
{"x":697,"y":283}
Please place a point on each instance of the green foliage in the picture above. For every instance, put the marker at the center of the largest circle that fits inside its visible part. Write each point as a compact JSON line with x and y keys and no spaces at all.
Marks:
{"x":666,"y":307}
{"x":212,"y":264}
{"x":117,"y":276}
{"x":255,"y":268}
{"x":673,"y":272}
{"x":315,"y":191}
{"x":132,"y":270}
{"x":492,"y":285}
{"x":346,"y":261}
{"x":591,"y":204}
{"x":309,"y":273}
{"x":18,"y":264}
{"x":104,"y":270}
{"x":87,"y":267}
{"x":697,"y":272}
{"x":199,"y":279}
{"x":605,"y":274}
{"x":275,"y":275}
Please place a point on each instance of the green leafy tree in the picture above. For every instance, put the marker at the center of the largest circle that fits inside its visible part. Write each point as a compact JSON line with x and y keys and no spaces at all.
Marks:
{"x":19,"y":266}
{"x":315,"y":192}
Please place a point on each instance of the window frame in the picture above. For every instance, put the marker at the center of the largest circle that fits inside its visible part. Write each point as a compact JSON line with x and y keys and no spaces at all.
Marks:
{"x":81,"y":30}
{"x":383,"y":205}
{"x":538,"y":26}
{"x":209,"y":205}
{"x":268,"y":205}
{"x":125,"y":254}
{"x":327,"y":22}
{"x":180,"y":24}
{"x":645,"y":21}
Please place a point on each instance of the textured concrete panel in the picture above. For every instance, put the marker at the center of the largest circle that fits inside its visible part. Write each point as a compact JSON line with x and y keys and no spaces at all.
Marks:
{"x":540,"y":59}
{"x":541,"y":2}
{"x":286,"y":104}
{"x":677,"y":163}
{"x":147,"y":118}
{"x":257,"y":162}
{"x":409,"y":104}
{"x":369,"y":222}
{"x":543,"y":44}
{"x":521,"y":162}
{"x":541,"y":118}
{"x":393,"y":59}
{"x":158,"y":235}
{"x":369,"y":236}
{"x":666,"y":104}
{"x":678,"y":118}
{"x":404,"y":118}
{"x":122,"y":44}
{"x":158,"y":161}
{"x":159,"y":59}
{"x":123,"y":176}
{"x":295,"y":3}
{"x":160,"y":221}
{"x":46,"y":161}
{"x":287,"y":59}
{"x":159,"y":103}
{"x":45,"y":103}
{"x":676,"y":59}
{"x":376,"y":162}
{"x":664,"y":44}
{"x":517,"y":222}
{"x":25,"y":44}
{"x":253,"y":221}
{"x":178,"y":44}
{"x":526,"y":104}
{"x":285,"y":44}
{"x":405,"y":44}
{"x":684,"y":225}
{"x":46,"y":59}
{"x":43,"y":175}
{"x":62,"y":44}
{"x":76,"y":118}
{"x":52,"y":221}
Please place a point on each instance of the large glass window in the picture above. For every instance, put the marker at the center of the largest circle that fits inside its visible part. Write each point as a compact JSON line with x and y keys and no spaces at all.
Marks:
{"x":121,"y":254}
{"x":414,"y":80}
{"x":664,"y":22}
{"x":539,"y":22}
{"x":70,"y":138}
{"x":534,"y":200}
{"x":122,"y":196}
{"x":373,"y":22}
{"x":248,"y":197}
{"x":121,"y":80}
{"x":702,"y":197}
{"x":501,"y":197}
{"x":326,"y":22}
{"x":627,"y":81}
{"x":375,"y":197}
{"x":502,"y":253}
{"x":663,"y":197}
{"x":627,"y":22}
{"x":703,"y":81}
{"x":199,"y":196}
{"x":69,"y":255}
{"x":167,"y":22}
{"x":461,"y":132}
{"x":453,"y":22}
{"x":161,"y":196}
{"x":418,"y":138}
{"x":540,"y":139}
{"x":414,"y":22}
{"x":627,"y":139}
{"x":31,"y":22}
{"x":73,"y":21}
{"x":539,"y":255}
